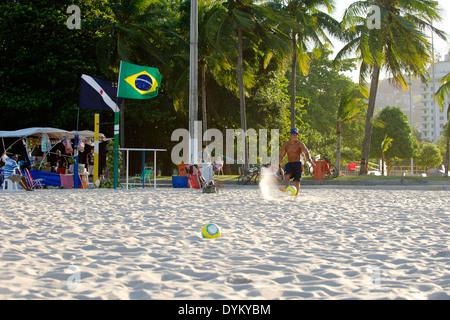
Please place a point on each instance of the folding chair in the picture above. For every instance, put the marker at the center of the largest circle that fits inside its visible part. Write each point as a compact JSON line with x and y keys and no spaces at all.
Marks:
{"x":218,"y":166}
{"x":145,"y":175}
{"x":33,"y":183}
{"x":351,"y":167}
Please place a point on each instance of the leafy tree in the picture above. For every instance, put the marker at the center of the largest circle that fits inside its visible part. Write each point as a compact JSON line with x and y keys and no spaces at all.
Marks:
{"x":42,"y":61}
{"x":441,"y":96}
{"x":443,"y":91}
{"x":308,"y":27}
{"x":429,"y":156}
{"x":349,"y":106}
{"x":244,"y":23}
{"x":447,"y":152}
{"x":131,"y":34}
{"x":396,"y":126}
{"x":321,"y":90}
{"x":398,"y":44}
{"x":385,"y":145}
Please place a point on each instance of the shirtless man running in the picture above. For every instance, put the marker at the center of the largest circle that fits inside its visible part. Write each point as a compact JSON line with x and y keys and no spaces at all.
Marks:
{"x":294,"y":149}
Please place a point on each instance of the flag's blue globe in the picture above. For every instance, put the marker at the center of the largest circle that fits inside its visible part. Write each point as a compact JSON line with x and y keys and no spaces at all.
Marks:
{"x":143,"y":82}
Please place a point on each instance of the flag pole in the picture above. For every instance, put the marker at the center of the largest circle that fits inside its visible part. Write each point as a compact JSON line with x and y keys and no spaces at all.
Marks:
{"x":75,"y":153}
{"x":116,"y":131}
{"x":96,"y":147}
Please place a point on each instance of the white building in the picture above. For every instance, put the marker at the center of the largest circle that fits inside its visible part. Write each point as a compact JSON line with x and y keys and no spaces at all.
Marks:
{"x":432,"y":119}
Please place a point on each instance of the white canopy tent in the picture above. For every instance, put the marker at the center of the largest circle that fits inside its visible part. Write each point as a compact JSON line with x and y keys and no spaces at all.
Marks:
{"x":53,"y":133}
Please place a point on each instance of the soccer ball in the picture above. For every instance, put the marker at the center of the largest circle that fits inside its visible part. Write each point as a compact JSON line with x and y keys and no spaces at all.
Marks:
{"x":211,"y":230}
{"x":291,"y":191}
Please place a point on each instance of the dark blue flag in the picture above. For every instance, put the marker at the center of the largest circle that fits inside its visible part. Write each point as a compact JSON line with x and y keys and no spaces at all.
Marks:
{"x":98,"y":94}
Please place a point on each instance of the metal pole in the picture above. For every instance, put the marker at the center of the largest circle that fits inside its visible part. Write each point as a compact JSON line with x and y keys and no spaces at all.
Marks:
{"x":411,"y":117}
{"x":154,"y":169}
{"x":115,"y":167}
{"x":143,"y":169}
{"x":432,"y":94}
{"x":75,"y":166}
{"x":193,"y":79}
{"x":96,"y":148}
{"x":128,"y":157}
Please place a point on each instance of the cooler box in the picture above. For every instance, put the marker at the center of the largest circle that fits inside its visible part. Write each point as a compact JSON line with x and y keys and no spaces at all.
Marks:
{"x":179,"y":182}
{"x":182,"y":170}
{"x":319,"y":169}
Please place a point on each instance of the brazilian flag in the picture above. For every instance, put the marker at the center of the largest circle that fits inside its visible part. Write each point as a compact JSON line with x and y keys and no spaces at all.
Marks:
{"x":138,"y":82}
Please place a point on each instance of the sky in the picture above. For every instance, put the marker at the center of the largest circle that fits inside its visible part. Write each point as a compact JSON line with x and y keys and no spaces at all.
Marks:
{"x":440,"y":46}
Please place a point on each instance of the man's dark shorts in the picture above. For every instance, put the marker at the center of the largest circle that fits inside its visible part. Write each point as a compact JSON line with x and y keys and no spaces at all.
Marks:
{"x":295,"y":168}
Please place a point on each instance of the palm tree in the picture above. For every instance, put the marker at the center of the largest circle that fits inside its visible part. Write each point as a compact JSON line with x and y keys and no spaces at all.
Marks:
{"x":308,"y":27}
{"x":443,"y":91}
{"x":132,"y":26}
{"x":447,"y":152}
{"x":399,"y":46}
{"x":246,"y":24}
{"x":348,"y":107}
{"x":440,"y":96}
{"x":385,"y":144}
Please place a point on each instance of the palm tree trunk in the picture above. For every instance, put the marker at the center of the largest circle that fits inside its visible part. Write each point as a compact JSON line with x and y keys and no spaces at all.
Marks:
{"x":242,"y":95}
{"x":293,"y":77}
{"x":370,"y":111}
{"x":203,"y":66}
{"x":338,"y":147}
{"x":447,"y":158}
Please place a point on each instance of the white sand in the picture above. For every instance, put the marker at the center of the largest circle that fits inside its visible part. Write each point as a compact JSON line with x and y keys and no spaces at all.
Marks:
{"x":146,"y":244}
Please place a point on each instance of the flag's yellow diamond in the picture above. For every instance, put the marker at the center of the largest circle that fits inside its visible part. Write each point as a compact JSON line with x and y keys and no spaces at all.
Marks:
{"x":143,"y":82}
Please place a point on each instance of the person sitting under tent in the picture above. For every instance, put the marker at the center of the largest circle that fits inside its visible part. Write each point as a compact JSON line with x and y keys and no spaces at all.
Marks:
{"x":60,"y":163}
{"x":218,"y":165}
{"x":9,"y":172}
{"x":204,"y":156}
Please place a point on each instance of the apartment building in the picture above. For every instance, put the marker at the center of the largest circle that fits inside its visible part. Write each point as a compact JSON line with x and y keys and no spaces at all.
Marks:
{"x":432,"y":119}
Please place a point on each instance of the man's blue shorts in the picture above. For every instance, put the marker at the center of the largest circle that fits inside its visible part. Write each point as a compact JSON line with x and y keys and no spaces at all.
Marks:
{"x":295,"y":168}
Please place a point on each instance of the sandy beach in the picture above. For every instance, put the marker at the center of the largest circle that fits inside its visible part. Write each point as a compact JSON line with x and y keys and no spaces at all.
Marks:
{"x":331,"y":243}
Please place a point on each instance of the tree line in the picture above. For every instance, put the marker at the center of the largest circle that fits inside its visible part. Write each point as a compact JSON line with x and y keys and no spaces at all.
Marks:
{"x":262,"y":64}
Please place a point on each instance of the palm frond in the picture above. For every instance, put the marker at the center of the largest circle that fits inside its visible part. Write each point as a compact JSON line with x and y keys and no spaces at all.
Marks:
{"x":443,"y":92}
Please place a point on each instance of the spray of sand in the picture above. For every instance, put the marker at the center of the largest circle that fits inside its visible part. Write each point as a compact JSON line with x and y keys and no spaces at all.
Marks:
{"x":268,"y":184}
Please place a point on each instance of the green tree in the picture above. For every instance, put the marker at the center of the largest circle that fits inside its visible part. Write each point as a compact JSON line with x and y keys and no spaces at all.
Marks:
{"x":441,"y":96}
{"x":42,"y":61}
{"x":349,"y":106}
{"x":447,"y":152}
{"x":429,"y":156}
{"x":399,"y":45}
{"x":385,"y":145}
{"x":247,"y":25}
{"x":132,"y":32}
{"x":443,"y":91}
{"x":309,"y":26}
{"x":321,"y":91}
{"x":397,"y":127}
